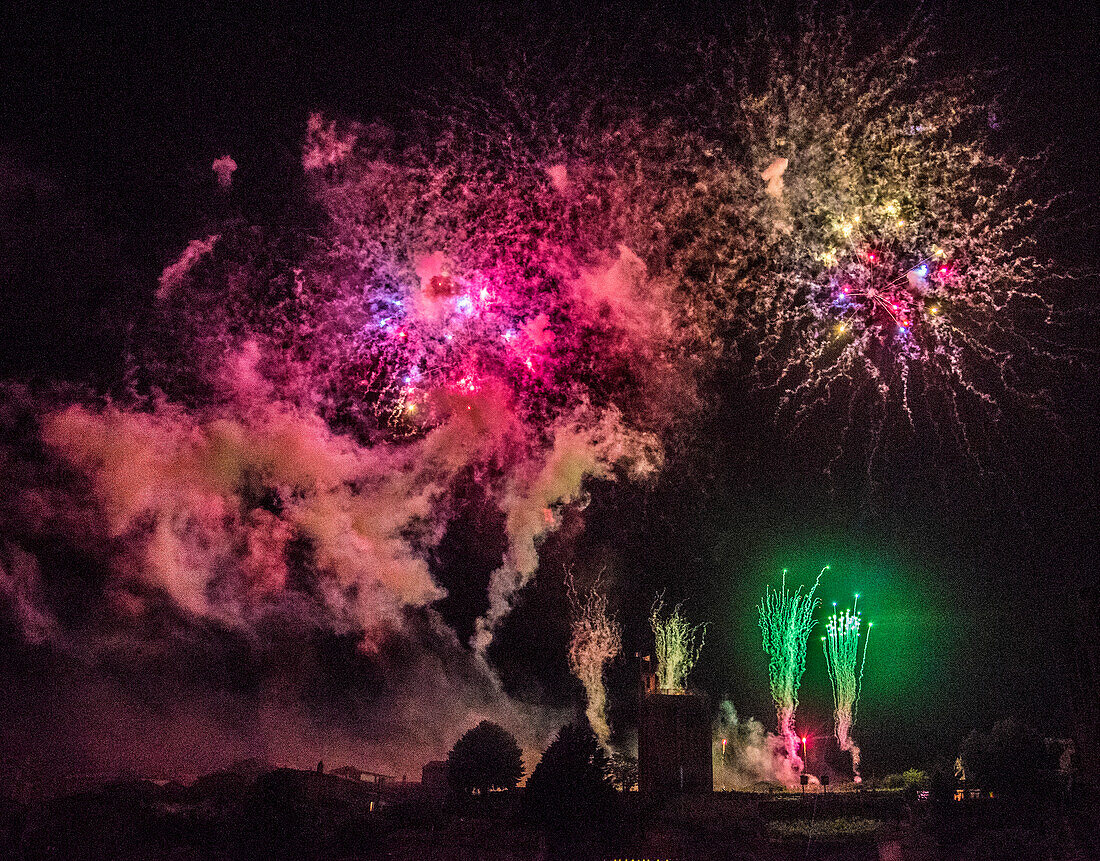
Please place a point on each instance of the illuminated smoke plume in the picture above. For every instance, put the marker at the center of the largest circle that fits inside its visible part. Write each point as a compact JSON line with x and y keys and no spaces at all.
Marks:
{"x":786,"y":619}
{"x":596,"y":640}
{"x":174,"y":274}
{"x":577,"y":451}
{"x":224,"y":168}
{"x":841,"y":645}
{"x":677,"y":645}
{"x":303,"y":407}
{"x":746,"y":756}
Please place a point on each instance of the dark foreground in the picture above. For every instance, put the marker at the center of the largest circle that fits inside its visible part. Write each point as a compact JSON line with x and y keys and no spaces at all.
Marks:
{"x":290,"y":815}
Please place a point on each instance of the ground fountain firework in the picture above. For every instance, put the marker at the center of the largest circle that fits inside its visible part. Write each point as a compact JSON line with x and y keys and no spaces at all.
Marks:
{"x":786,"y":619}
{"x":677,"y":644}
{"x":596,"y":640}
{"x":845,"y":666}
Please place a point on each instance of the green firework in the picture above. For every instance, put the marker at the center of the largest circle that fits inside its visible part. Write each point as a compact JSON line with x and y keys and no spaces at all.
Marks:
{"x":841,"y":645}
{"x":786,"y":619}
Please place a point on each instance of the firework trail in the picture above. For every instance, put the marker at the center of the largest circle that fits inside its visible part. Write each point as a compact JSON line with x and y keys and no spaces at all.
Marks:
{"x":595,"y":641}
{"x":677,"y":645}
{"x":786,"y":619}
{"x":841,"y":646}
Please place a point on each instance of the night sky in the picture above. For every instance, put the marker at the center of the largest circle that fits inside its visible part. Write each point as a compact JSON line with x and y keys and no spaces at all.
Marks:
{"x":972,"y":563}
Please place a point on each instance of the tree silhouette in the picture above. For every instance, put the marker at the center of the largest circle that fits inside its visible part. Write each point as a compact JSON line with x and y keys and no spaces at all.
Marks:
{"x":486,"y":757}
{"x":570,"y":786}
{"x":1009,"y":760}
{"x":623,"y":770}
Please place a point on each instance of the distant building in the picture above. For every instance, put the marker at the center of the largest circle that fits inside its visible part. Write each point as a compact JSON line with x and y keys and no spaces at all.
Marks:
{"x":289,"y":787}
{"x":674,"y":740}
{"x":350,"y":772}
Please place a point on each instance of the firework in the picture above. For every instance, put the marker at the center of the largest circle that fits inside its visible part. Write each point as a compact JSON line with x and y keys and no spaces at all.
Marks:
{"x":677,"y":645}
{"x":596,"y":640}
{"x":786,"y":619}
{"x":884,"y":261}
{"x":521,"y":294}
{"x":841,"y":645}
{"x":467,"y":311}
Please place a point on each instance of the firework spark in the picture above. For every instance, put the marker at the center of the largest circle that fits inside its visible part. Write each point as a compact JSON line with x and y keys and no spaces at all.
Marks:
{"x":677,"y":644}
{"x":786,"y":619}
{"x":841,"y":646}
{"x":878,"y":251}
{"x":595,"y":641}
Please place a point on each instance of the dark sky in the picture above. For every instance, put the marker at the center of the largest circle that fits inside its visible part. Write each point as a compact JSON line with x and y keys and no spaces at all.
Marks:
{"x":110,"y":121}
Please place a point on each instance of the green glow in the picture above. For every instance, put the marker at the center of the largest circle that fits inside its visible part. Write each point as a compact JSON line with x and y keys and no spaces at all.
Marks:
{"x":919,"y":629}
{"x":677,"y":645}
{"x":786,"y":619}
{"x":841,"y":646}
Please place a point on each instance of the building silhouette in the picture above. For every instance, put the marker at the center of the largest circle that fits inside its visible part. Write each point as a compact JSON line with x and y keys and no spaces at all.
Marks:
{"x":674,"y":739}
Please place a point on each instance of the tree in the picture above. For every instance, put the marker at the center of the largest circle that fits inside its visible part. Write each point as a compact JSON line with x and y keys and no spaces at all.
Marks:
{"x":570,"y":786}
{"x":623,"y":769}
{"x":1008,"y":761}
{"x":911,"y":780}
{"x":486,"y":757}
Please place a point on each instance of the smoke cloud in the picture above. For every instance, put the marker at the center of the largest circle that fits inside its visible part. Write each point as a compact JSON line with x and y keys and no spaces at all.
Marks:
{"x":175,"y":273}
{"x":224,"y":168}
{"x":235,"y":545}
{"x":746,"y":756}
